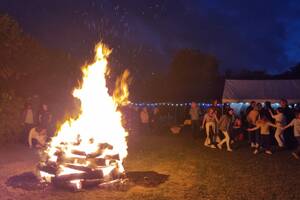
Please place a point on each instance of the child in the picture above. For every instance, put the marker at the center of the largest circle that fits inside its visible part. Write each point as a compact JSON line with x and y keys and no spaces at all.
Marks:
{"x":224,"y":126}
{"x":38,"y":136}
{"x":252,"y":117}
{"x":296,"y":123}
{"x":210,"y":120}
{"x":264,"y":125}
{"x":280,"y":122}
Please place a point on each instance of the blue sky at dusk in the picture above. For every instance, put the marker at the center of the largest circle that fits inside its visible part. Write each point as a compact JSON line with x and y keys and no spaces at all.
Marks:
{"x":255,"y":34}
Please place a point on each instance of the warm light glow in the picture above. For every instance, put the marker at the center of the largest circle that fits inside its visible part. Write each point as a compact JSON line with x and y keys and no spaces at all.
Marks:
{"x":99,"y":121}
{"x":47,"y":176}
{"x":77,"y":183}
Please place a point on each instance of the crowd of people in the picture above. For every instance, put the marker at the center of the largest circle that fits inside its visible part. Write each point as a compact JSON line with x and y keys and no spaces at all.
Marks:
{"x":260,"y":124}
{"x":266,"y":129}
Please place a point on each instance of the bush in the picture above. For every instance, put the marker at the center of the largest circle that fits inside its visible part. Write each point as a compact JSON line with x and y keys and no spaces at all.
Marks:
{"x":10,"y":117}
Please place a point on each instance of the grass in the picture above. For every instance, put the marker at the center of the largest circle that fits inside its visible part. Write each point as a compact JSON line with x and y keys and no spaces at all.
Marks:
{"x":195,"y":172}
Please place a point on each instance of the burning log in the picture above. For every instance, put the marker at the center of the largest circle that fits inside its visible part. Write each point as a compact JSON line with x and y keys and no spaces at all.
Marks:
{"x":84,"y":151}
{"x":95,"y":154}
{"x":84,"y":161}
{"x":103,"y":146}
{"x":79,"y":167}
{"x":112,"y":157}
{"x":91,"y":182}
{"x":98,"y":161}
{"x":77,"y":152}
{"x":97,"y":174}
{"x":87,"y":170}
{"x":48,"y":169}
{"x":77,"y":160}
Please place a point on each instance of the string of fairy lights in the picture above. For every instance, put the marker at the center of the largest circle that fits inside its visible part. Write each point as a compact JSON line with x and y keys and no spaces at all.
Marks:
{"x":205,"y":105}
{"x":170,"y":104}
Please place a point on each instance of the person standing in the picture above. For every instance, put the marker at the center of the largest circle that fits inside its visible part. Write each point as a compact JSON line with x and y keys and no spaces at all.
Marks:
{"x":194,"y":113}
{"x":225,"y":125}
{"x":209,"y":122}
{"x":218,"y":113}
{"x":155,"y":120}
{"x":252,"y":118}
{"x":267,"y":111}
{"x":36,"y":107}
{"x":144,"y":117}
{"x":216,"y":108}
{"x":237,"y":133}
{"x":250,"y":107}
{"x":264,"y":125}
{"x":45,"y":117}
{"x":296,"y":124}
{"x":280,"y":122}
{"x":28,"y":120}
{"x":289,"y":115}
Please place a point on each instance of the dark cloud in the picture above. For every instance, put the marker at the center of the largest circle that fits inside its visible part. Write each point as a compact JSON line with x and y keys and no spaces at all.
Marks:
{"x":242,"y":34}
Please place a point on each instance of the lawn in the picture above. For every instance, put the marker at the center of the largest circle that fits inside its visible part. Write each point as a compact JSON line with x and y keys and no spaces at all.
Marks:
{"x":192,"y":170}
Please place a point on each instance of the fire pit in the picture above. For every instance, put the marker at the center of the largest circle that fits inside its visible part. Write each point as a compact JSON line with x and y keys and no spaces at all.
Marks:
{"x":90,"y":149}
{"x":82,"y":169}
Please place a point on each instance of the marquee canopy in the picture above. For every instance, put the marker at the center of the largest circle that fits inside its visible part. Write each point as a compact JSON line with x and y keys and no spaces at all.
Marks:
{"x":261,"y":91}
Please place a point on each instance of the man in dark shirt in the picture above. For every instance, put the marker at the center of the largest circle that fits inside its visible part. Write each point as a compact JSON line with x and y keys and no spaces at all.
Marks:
{"x":250,"y":107}
{"x":266,"y":111}
{"x":45,"y":117}
{"x":289,"y":115}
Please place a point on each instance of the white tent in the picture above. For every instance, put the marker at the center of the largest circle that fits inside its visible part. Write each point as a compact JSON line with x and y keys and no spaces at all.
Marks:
{"x":261,"y":91}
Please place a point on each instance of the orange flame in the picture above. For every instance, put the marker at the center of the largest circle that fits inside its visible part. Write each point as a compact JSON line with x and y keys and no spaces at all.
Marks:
{"x":121,"y":93}
{"x":99,"y":121}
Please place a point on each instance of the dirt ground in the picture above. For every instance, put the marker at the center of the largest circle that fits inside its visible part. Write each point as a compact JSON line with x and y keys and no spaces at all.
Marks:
{"x":193,"y":171}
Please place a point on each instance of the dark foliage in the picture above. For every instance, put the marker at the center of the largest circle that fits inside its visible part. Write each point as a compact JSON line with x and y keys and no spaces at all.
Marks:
{"x":27,"y":68}
{"x":11,"y":107}
{"x":193,"y":76}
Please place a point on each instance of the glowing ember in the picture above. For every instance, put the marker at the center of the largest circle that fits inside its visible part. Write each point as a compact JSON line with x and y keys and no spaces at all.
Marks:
{"x":93,"y":146}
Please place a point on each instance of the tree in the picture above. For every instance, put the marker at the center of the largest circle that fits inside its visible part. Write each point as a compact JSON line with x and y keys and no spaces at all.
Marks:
{"x":252,"y":75}
{"x":193,"y":76}
{"x":292,"y":73}
{"x":27,"y":67}
{"x":11,"y":107}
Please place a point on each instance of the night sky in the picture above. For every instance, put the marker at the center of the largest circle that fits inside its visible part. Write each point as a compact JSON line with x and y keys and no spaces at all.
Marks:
{"x":145,"y":34}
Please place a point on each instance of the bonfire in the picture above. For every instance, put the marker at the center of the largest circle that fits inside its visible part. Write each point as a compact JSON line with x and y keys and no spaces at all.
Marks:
{"x":90,"y":149}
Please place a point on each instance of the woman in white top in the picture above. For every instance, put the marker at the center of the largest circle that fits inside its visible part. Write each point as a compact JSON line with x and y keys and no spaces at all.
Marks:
{"x":296,"y":124}
{"x":210,"y":120}
{"x":280,"y":122}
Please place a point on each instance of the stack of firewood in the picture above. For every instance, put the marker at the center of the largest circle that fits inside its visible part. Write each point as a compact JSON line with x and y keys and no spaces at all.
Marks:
{"x":83,"y":169}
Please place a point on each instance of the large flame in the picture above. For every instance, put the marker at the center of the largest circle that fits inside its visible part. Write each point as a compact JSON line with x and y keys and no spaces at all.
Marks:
{"x":99,"y":121}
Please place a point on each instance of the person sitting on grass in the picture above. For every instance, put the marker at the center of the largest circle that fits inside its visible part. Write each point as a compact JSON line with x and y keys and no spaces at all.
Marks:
{"x":296,"y":123}
{"x":37,"y":137}
{"x":264,"y":125}
{"x":225,"y":124}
